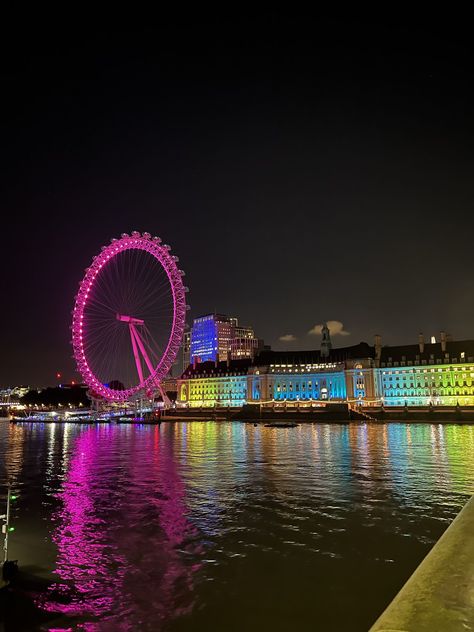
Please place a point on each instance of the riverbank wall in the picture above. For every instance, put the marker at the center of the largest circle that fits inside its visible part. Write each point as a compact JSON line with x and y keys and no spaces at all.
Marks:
{"x":331,"y":413}
{"x":440,"y":593}
{"x":338,"y":413}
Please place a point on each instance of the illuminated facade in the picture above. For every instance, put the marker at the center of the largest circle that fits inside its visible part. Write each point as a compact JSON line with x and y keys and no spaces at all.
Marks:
{"x":280,"y":378}
{"x":212,"y":384}
{"x":215,"y":336}
{"x":438,"y":385}
{"x":313,"y":377}
{"x":433,"y":374}
{"x":210,"y":338}
{"x":299,"y":383}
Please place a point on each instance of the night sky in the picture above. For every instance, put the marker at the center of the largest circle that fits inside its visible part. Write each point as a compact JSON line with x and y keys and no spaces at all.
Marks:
{"x":302,"y":169}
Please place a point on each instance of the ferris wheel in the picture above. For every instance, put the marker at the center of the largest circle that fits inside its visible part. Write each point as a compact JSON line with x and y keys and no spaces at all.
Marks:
{"x":129,"y":317}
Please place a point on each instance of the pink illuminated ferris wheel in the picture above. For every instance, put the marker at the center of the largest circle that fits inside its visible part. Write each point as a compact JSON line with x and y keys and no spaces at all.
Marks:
{"x":129,"y":317}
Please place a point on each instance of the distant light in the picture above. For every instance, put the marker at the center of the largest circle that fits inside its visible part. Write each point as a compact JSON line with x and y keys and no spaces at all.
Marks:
{"x":433,"y":340}
{"x":58,"y":375}
{"x":73,"y":382}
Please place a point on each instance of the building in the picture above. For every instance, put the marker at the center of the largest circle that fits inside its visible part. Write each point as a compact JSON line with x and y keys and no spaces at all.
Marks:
{"x":322,"y":375}
{"x":423,"y":374}
{"x":440,"y":373}
{"x":213,"y":384}
{"x":169,"y":384}
{"x":215,"y":336}
{"x":283,"y":378}
{"x":186,"y":351}
{"x":245,"y":348}
{"x":210,"y":338}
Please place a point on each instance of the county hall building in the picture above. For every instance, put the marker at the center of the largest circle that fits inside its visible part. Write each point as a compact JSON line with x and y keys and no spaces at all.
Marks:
{"x":422,"y":374}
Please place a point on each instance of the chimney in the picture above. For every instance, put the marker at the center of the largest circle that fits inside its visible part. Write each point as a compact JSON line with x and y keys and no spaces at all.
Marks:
{"x":378,"y":346}
{"x":443,"y":341}
{"x":421,"y":342}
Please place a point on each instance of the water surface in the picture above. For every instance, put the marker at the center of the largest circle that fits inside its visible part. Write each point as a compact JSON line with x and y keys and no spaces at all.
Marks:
{"x":228,"y":526}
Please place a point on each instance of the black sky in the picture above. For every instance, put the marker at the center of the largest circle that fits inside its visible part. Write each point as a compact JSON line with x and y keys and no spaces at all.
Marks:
{"x":302,"y":168}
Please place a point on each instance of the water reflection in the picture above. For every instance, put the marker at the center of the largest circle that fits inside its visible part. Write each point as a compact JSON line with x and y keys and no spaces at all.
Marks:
{"x":125,"y":547}
{"x":227,"y":526}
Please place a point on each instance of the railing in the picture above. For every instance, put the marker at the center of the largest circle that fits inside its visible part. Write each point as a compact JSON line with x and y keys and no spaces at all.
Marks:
{"x":440,"y":593}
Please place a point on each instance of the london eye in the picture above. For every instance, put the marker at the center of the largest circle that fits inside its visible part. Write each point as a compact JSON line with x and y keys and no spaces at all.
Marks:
{"x":129,"y":318}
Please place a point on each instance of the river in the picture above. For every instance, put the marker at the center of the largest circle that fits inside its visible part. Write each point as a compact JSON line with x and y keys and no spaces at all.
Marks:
{"x":229,"y":526}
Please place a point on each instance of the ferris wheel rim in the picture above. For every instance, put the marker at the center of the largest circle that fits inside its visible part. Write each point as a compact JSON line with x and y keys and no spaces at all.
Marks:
{"x":161,"y":253}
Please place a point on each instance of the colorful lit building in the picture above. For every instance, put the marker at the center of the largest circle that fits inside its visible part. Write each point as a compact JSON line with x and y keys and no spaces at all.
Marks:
{"x":435,"y":374}
{"x":306,"y":377}
{"x":214,"y":384}
{"x":423,"y":374}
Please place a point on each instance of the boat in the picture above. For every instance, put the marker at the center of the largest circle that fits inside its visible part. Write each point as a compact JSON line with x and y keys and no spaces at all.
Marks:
{"x":281,"y":424}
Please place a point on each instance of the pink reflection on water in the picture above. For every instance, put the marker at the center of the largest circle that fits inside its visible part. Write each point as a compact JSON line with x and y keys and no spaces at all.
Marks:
{"x":126,"y":556}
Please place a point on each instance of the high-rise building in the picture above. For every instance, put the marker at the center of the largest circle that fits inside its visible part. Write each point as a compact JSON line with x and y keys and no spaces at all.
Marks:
{"x":217,"y":338}
{"x":244,"y":344}
{"x":243,"y":332}
{"x":245,"y":347}
{"x":186,"y":351}
{"x":210,"y":337}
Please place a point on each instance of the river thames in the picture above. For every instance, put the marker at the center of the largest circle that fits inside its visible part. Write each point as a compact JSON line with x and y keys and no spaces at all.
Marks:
{"x":229,"y":526}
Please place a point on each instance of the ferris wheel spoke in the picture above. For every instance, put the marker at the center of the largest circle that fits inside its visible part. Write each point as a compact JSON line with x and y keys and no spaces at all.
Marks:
{"x":95,"y":303}
{"x":156,"y":299}
{"x":99,"y":345}
{"x":152,"y":343}
{"x":148,"y":283}
{"x":156,"y":285}
{"x":110,"y":358}
{"x":106,"y":300}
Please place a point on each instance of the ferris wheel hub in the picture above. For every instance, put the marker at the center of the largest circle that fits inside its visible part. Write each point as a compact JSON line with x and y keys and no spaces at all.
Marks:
{"x":130,"y":319}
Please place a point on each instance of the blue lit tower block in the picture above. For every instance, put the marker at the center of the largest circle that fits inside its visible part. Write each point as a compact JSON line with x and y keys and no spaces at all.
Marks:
{"x":210,"y":338}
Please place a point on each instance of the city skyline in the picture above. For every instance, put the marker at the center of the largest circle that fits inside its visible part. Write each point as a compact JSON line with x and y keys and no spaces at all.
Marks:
{"x":237,"y":307}
{"x":319,"y":171}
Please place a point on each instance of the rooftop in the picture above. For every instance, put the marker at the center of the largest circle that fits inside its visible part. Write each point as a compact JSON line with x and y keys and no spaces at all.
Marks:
{"x":218,"y":368}
{"x":431,"y":351}
{"x":362,"y":350}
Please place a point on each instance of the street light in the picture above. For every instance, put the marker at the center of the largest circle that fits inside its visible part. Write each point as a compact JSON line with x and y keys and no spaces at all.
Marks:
{"x":6,"y":527}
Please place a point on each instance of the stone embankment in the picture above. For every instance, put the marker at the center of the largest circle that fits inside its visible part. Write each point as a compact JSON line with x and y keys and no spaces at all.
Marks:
{"x":332,"y":412}
{"x":440,"y":593}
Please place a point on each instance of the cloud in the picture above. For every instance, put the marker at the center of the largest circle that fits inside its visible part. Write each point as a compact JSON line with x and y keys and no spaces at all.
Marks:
{"x":287,"y":338}
{"x":336,"y":328}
